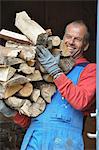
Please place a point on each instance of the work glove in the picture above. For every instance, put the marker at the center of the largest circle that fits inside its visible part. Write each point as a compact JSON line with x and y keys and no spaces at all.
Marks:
{"x":6,"y":111}
{"x":47,"y":60}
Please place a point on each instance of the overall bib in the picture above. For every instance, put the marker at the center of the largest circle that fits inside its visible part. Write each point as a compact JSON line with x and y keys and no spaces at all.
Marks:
{"x":60,"y":126}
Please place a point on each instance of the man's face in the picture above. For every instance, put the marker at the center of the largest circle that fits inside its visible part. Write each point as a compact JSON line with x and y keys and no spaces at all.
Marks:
{"x":74,"y":39}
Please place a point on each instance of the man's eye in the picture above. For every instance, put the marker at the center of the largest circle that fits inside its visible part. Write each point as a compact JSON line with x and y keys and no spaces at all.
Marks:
{"x":78,"y":39}
{"x":68,"y":36}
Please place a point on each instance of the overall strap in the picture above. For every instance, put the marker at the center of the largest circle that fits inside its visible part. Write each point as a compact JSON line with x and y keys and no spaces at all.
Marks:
{"x":74,"y":74}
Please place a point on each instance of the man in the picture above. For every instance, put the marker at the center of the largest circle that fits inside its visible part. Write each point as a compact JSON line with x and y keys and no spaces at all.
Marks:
{"x":60,"y":126}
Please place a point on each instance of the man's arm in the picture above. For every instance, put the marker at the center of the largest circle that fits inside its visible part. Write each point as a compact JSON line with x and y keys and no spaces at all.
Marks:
{"x":82,"y":95}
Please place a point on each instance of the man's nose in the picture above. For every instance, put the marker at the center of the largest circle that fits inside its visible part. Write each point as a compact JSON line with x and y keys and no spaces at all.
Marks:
{"x":71,"y":40}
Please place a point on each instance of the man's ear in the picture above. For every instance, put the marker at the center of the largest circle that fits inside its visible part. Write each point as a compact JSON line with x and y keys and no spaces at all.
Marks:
{"x":86,"y":46}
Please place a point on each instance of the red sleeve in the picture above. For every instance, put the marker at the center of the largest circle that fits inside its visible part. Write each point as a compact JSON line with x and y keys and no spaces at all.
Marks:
{"x":21,"y":120}
{"x":82,"y":95}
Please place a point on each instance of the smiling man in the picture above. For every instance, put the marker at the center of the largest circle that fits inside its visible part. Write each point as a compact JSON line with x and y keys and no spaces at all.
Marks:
{"x":76,"y":38}
{"x":60,"y":126}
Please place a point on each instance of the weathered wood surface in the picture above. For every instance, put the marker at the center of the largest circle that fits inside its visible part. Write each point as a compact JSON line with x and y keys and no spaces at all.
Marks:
{"x":6,"y":73}
{"x":11,"y":90}
{"x":28,"y":27}
{"x":47,"y":90}
{"x":26,"y":90}
{"x":35,"y":95}
{"x":13,"y":36}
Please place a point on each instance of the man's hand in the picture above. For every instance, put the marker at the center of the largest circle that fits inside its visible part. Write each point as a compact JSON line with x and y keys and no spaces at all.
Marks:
{"x":6,"y":111}
{"x":48,"y":61}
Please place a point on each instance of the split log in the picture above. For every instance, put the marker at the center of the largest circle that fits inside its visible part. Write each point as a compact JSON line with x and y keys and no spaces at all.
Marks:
{"x":36,"y":76}
{"x":28,"y":27}
{"x":54,"y":40}
{"x":6,"y":73}
{"x":66,"y":64}
{"x":47,"y":90}
{"x":47,"y":78}
{"x":26,"y":69}
{"x":9,"y":61}
{"x":27,"y":53}
{"x":26,"y":90}
{"x":2,"y":90}
{"x":15,"y":102}
{"x":25,"y":108}
{"x":17,"y":79}
{"x":37,"y":108}
{"x":55,"y":51}
{"x":12,"y":52}
{"x":35,"y":95}
{"x":13,"y":36}
{"x":64,"y":49}
{"x":11,"y":90}
{"x":31,"y":62}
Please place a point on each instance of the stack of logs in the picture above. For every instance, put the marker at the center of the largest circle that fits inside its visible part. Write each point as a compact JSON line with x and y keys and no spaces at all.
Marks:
{"x":24,"y":84}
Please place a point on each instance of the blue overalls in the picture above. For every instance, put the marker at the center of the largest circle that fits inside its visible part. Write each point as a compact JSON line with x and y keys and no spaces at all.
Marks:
{"x":59,"y":127}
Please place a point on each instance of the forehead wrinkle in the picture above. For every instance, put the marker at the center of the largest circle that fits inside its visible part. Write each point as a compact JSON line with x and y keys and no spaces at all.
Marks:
{"x":76,"y":30}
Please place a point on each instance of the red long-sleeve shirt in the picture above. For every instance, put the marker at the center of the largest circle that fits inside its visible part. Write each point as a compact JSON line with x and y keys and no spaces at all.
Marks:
{"x":80,"y":96}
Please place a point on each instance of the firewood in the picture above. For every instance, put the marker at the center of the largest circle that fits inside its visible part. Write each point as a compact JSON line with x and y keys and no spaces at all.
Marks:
{"x":9,"y":61}
{"x":47,"y":90}
{"x":47,"y":78}
{"x":35,"y":95}
{"x":31,"y":62}
{"x":13,"y":36}
{"x":66,"y":64}
{"x":28,"y":27}
{"x":26,"y":69}
{"x":36,"y":76}
{"x":6,"y":73}
{"x":15,"y":102}
{"x":37,"y":108}
{"x":6,"y":51}
{"x":11,"y":90}
{"x":64,"y":49}
{"x":25,"y":108}
{"x":17,"y":79}
{"x":55,"y":51}
{"x":54,"y":40}
{"x":13,"y":44}
{"x":26,"y":90}
{"x":27,"y":53}
{"x":2,"y":90}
